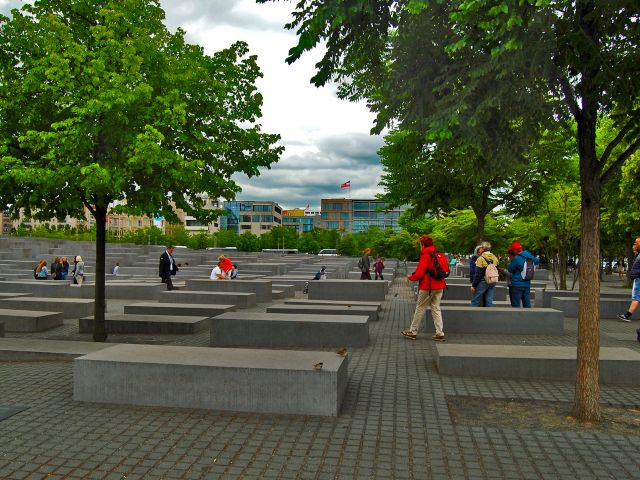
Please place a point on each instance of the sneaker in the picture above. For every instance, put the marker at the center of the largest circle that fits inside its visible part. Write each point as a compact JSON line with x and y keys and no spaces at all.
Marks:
{"x":438,"y":338}
{"x":623,"y":317}
{"x":409,"y":334}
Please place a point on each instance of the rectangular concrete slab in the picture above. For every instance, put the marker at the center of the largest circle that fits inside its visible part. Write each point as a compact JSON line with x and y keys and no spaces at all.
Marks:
{"x":361,"y":290}
{"x":21,"y":349}
{"x":116,"y":323}
{"x":264,"y":381}
{"x":617,"y":365}
{"x":609,"y":307}
{"x":1,"y":328}
{"x":239,"y":299}
{"x":304,"y":301}
{"x":369,"y":311}
{"x":180,"y":309}
{"x":244,"y":329}
{"x":68,"y":307}
{"x":499,"y":320}
{"x":23,"y":321}
{"x":262,"y":288}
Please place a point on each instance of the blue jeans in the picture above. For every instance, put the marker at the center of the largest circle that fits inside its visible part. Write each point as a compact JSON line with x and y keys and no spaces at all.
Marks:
{"x":521,"y":297}
{"x":487,"y":291}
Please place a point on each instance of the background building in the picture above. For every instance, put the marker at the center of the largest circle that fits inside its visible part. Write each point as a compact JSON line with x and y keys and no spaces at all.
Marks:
{"x":357,"y":215}
{"x":303,"y":220}
{"x":256,"y":217}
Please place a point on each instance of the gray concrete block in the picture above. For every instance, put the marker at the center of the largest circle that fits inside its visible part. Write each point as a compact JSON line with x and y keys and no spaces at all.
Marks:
{"x":367,"y":310}
{"x":181,"y":309}
{"x":29,"y":320}
{"x":68,"y":307}
{"x":548,"y":294}
{"x":116,"y":323}
{"x":288,"y":330}
{"x":134,"y":290}
{"x":263,"y":381}
{"x":239,"y":299}
{"x":500,"y":320}
{"x":1,"y":328}
{"x":361,"y":290}
{"x":21,"y":349}
{"x":262,"y":288}
{"x":461,"y":291}
{"x":304,"y":301}
{"x":287,"y":290}
{"x":617,"y":365}
{"x":609,"y":307}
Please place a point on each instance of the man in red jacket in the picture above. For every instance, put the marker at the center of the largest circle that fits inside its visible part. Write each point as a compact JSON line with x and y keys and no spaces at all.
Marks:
{"x":430,"y":292}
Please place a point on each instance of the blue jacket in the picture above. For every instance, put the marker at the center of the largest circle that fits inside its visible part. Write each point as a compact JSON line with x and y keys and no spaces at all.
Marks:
{"x":517,"y":265}
{"x":635,"y":268}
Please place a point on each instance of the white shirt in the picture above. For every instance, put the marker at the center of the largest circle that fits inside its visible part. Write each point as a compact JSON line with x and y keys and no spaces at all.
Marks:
{"x":215,"y":272}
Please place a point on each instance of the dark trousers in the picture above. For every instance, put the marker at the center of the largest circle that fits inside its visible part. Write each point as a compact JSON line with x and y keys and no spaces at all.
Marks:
{"x":521,"y":297}
{"x":169,"y":283}
{"x":365,"y":275}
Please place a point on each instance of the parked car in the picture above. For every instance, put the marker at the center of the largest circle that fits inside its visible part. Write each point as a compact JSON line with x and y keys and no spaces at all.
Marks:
{"x":328,"y":252}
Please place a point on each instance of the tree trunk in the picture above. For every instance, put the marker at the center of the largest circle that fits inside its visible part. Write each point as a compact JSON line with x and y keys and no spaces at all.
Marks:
{"x":587,"y":393}
{"x":562,"y":267}
{"x":629,"y":243}
{"x":99,"y":325}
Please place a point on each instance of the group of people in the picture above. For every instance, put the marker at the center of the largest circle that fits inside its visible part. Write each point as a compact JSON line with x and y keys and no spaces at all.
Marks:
{"x":365,"y":265}
{"x":60,"y":270}
{"x":518,"y":282}
{"x":225,"y":269}
{"x":431,"y":286}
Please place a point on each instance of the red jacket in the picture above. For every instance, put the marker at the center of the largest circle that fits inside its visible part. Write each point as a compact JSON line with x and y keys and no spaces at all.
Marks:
{"x":426,"y":282}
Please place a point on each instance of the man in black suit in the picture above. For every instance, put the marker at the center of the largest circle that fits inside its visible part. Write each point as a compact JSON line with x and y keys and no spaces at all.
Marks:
{"x":167,"y":267}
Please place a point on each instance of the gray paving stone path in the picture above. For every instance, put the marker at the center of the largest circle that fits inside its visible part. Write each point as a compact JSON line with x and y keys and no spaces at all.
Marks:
{"x":394,"y":423}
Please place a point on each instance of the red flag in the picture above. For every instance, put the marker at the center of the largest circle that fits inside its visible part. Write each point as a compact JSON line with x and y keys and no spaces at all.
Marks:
{"x":346,"y":184}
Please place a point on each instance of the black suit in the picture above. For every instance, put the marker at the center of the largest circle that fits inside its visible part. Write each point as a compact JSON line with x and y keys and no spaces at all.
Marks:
{"x":167,"y":268}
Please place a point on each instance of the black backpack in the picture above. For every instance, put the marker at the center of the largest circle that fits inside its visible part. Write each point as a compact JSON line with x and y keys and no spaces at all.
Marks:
{"x":528,"y":269}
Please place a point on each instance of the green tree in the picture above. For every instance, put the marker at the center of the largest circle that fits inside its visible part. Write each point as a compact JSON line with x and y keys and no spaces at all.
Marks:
{"x":248,"y":242}
{"x":100,"y":103}
{"x":536,"y":63}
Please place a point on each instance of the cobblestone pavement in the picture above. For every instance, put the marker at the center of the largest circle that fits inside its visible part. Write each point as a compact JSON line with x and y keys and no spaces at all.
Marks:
{"x":394,"y":423}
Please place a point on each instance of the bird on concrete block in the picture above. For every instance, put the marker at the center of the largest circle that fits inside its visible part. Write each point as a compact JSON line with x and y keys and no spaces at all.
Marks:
{"x":342,"y":352}
{"x":318,"y":366}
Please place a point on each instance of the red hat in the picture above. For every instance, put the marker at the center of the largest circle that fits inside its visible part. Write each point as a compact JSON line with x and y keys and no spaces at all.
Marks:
{"x":515,"y":246}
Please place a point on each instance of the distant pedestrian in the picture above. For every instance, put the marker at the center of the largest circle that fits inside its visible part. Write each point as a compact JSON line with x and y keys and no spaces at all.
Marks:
{"x":56,"y":268}
{"x":65,"y":268}
{"x":167,"y":267}
{"x":379,"y":267}
{"x":365,"y":265}
{"x":233,"y":273}
{"x":78,"y":273}
{"x":520,"y":281}
{"x":479,"y":286}
{"x":430,"y":292}
{"x":634,"y":274}
{"x":116,"y":269}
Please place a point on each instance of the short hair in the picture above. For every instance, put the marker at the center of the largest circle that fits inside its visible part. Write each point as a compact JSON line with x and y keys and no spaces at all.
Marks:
{"x":78,"y":258}
{"x":169,"y":246}
{"x":486,"y":246}
{"x":475,"y":250}
{"x":426,"y":240}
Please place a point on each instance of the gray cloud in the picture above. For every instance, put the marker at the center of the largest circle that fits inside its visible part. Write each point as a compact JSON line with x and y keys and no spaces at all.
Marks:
{"x":301,"y":179}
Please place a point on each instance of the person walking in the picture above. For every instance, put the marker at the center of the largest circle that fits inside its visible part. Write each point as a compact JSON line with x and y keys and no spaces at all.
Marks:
{"x":479,"y":287}
{"x":167,"y":267}
{"x":430,"y":292}
{"x":78,"y":273}
{"x":520,"y":284}
{"x":379,"y":267}
{"x":634,"y":274}
{"x":365,"y":265}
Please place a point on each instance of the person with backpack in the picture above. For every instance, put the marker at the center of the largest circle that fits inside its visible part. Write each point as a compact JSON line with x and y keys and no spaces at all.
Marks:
{"x":364,"y":264}
{"x":485,"y":276}
{"x":521,"y":268}
{"x":634,"y":274}
{"x":431,"y":272}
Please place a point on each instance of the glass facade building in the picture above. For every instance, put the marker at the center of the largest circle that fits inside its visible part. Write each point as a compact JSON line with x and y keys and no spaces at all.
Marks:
{"x":356,"y":216}
{"x":250,"y":216}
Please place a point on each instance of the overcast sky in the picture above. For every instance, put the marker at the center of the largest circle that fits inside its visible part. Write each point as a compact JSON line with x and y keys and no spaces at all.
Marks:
{"x":327,"y":140}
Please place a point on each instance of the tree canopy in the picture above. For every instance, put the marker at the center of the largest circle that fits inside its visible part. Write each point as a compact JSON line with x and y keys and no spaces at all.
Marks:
{"x":99,"y":103}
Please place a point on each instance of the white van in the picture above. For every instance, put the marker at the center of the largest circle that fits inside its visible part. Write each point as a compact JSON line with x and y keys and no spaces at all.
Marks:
{"x":328,"y":252}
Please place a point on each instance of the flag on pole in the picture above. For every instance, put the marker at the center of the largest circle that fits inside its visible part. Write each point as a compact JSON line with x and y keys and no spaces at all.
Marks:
{"x":346,"y":184}
{"x":308,"y":206}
